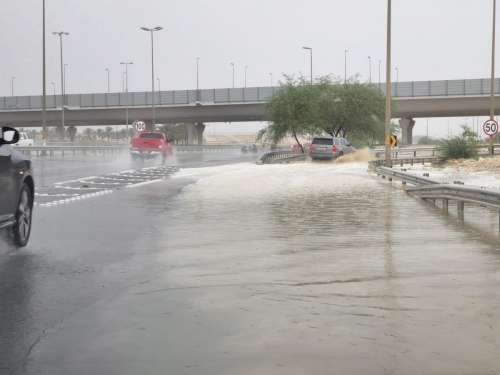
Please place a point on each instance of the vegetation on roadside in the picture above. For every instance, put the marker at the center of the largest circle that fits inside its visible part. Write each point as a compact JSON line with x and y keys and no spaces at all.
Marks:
{"x":463,"y":146}
{"x":329,"y":106}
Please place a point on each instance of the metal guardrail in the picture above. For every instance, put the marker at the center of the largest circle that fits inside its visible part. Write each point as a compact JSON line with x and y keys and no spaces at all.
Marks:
{"x":405,"y":177}
{"x":269,"y":157}
{"x":462,"y":87}
{"x":430,"y":190}
{"x":103,"y":150}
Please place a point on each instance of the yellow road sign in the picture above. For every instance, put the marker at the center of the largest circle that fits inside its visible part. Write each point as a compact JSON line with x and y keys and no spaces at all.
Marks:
{"x":391,"y":140}
{"x":394,"y":141}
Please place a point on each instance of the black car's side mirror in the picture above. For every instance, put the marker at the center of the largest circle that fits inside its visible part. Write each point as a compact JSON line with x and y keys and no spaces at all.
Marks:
{"x":348,"y":145}
{"x":8,"y":135}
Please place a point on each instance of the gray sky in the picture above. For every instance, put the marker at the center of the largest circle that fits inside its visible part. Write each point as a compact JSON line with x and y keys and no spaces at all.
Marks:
{"x":432,"y":40}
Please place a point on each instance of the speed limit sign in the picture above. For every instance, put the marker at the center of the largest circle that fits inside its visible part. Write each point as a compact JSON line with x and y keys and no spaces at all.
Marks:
{"x":490,"y":127}
{"x":139,"y":125}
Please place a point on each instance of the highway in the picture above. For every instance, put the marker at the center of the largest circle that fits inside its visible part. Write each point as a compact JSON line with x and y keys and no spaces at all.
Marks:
{"x":212,"y":264}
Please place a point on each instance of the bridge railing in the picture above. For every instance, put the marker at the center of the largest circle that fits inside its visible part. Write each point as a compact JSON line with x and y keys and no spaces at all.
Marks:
{"x":462,"y":87}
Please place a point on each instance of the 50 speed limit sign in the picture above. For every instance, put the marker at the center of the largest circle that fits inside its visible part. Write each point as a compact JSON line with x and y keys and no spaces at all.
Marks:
{"x":140,"y":125}
{"x":490,"y":127}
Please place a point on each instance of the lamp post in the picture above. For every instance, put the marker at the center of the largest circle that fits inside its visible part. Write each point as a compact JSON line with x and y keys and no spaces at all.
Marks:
{"x":233,"y":74}
{"x":61,"y":131}
{"x":13,"y":85}
{"x":157,"y":28}
{"x":379,"y":72}
{"x":397,"y":80}
{"x":246,"y":76}
{"x":123,"y":81}
{"x":65,"y":78}
{"x":271,"y":79}
{"x":492,"y":81}
{"x":44,"y":96}
{"x":108,"y":78}
{"x":311,"y":62}
{"x":370,"y":68}
{"x":159,"y":85}
{"x":54,"y":85}
{"x":388,"y":160}
{"x":126,"y":93}
{"x":345,"y":66}
{"x":197,"y":76}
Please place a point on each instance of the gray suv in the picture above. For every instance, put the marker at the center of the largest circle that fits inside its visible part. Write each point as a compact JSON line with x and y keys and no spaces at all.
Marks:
{"x":327,"y":147}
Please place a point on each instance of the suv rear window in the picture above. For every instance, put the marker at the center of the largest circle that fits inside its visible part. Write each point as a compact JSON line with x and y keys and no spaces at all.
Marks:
{"x":322,"y":141}
{"x":151,"y":136}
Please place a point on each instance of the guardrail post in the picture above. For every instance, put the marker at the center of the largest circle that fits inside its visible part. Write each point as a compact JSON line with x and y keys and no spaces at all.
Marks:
{"x":445,"y":205}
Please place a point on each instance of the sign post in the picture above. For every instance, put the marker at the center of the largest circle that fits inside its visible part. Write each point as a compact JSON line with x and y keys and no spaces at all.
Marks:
{"x":490,"y":128}
{"x":139,"y":126}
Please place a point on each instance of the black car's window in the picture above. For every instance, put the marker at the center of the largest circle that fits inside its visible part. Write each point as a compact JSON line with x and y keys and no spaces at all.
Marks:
{"x":323,"y":141}
{"x":151,"y":136}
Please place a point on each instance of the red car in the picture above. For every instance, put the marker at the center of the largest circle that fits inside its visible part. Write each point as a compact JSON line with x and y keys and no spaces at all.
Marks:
{"x":150,"y":145}
{"x":296,"y":147}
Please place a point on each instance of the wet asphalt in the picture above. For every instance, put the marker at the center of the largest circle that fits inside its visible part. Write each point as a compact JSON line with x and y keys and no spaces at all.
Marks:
{"x":211,"y":264}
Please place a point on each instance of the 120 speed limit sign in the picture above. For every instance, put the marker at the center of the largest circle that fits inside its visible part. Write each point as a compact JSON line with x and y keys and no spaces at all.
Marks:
{"x":490,"y":127}
{"x":140,"y":125}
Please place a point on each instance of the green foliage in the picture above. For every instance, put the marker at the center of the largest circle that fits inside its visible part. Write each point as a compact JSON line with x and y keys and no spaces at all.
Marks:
{"x":332,"y":107}
{"x":463,"y":146}
{"x":177,"y":132}
{"x":291,"y":112}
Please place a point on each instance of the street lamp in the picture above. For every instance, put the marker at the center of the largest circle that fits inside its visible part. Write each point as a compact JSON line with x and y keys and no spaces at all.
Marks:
{"x":108,"y":78}
{"x":370,"y":66}
{"x":157,"y":28}
{"x":197,"y":76}
{"x":126,"y":93}
{"x":65,"y":77}
{"x":379,"y":72}
{"x":397,"y":80}
{"x":246,"y":76}
{"x":61,"y":131}
{"x":271,"y":79}
{"x":311,"y":62}
{"x":123,"y":81}
{"x":13,"y":85}
{"x":345,"y":66}
{"x":44,"y":96}
{"x":54,"y":85}
{"x":159,"y":85}
{"x":233,"y":74}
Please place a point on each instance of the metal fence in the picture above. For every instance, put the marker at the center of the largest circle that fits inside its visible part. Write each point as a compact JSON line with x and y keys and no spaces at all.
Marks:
{"x":462,"y":87}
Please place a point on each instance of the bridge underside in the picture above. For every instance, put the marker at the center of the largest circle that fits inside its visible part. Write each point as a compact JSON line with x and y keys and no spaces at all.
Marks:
{"x":116,"y":115}
{"x":419,"y":107}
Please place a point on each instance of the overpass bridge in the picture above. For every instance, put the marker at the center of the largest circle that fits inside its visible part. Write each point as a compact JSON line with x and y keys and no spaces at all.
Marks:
{"x":446,"y":98}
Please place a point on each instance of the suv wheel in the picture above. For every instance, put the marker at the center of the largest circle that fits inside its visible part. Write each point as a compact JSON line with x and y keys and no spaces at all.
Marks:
{"x":22,"y":229}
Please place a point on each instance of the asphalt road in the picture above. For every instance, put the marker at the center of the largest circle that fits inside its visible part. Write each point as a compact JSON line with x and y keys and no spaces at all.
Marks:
{"x":214,"y":265}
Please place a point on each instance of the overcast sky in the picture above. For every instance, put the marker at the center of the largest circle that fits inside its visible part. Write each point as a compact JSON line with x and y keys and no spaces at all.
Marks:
{"x":432,"y":40}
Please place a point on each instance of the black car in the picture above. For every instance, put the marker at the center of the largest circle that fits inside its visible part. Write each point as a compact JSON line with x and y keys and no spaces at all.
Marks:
{"x":17,"y":189}
{"x":248,"y":147}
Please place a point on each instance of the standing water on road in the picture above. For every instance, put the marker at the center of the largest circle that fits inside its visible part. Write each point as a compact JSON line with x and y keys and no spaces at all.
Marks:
{"x":302,"y":268}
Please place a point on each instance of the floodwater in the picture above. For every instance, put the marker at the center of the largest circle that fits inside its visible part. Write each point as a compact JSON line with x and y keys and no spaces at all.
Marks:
{"x":303,"y":268}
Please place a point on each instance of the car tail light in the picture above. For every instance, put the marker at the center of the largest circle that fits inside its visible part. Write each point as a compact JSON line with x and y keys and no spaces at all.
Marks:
{"x":334,"y":148}
{"x":311,"y":147}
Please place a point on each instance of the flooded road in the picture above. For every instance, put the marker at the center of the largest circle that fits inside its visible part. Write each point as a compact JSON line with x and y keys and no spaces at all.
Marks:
{"x":234,"y":268}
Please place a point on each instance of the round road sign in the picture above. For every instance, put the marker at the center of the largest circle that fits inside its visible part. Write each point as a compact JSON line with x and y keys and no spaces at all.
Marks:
{"x":490,"y":127}
{"x":139,"y":125}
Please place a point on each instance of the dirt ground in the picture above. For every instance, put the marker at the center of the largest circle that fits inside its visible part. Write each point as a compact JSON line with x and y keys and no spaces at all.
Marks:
{"x":483,"y":164}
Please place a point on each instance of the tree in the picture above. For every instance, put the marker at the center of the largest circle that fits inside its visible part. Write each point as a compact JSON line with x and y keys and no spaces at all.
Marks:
{"x":291,"y":112}
{"x":99,"y":134}
{"x":89,"y":133}
{"x":177,"y":132}
{"x":352,"y":108}
{"x":108,"y":131}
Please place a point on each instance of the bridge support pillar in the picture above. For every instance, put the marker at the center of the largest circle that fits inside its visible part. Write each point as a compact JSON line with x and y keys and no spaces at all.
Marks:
{"x":71,"y":132}
{"x":190,"y":130}
{"x":407,"y":125}
{"x":200,"y":128}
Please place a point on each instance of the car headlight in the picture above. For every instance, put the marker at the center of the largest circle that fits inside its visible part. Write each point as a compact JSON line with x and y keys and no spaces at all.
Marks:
{"x":160,"y":146}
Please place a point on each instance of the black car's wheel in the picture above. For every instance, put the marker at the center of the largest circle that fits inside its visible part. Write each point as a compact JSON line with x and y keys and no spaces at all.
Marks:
{"x":22,"y":229}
